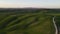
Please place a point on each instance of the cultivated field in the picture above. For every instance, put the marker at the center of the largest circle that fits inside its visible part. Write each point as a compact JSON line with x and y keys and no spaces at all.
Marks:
{"x":26,"y":24}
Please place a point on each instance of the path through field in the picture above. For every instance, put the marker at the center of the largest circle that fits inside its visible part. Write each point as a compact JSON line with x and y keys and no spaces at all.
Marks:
{"x":56,"y":32}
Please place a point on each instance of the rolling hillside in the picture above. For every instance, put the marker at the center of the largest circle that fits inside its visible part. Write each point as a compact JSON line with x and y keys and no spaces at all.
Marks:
{"x":26,"y":24}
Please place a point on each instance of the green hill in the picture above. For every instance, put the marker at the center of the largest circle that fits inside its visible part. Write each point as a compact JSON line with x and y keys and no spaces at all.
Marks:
{"x":26,"y":24}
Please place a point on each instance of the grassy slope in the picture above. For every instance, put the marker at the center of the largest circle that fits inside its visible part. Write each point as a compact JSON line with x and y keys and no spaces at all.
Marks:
{"x":57,"y":19}
{"x":44,"y":25}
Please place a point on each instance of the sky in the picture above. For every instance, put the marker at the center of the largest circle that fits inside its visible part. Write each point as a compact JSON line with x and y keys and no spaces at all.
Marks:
{"x":30,"y":3}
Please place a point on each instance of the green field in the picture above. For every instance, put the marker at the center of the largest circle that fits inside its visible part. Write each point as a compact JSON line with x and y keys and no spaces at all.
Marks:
{"x":57,"y":19}
{"x":26,"y":24}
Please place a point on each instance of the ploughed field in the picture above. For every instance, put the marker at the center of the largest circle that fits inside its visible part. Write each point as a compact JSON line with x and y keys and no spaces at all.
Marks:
{"x":26,"y":24}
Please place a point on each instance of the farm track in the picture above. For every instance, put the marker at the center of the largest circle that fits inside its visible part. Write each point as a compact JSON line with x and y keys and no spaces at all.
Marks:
{"x":56,"y":30}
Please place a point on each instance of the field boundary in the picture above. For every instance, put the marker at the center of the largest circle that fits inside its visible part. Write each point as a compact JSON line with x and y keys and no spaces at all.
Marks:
{"x":56,"y":30}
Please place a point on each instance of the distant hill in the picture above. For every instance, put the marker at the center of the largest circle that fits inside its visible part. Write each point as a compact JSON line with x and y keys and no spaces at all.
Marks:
{"x":28,"y":10}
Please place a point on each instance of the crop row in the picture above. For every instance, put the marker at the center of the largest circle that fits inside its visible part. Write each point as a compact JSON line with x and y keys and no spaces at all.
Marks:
{"x":10,"y":21}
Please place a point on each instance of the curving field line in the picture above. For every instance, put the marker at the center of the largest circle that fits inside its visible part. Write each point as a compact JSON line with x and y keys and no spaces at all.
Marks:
{"x":56,"y":32}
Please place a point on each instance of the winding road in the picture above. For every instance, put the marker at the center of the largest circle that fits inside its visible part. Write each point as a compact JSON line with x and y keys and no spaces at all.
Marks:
{"x":56,"y":30}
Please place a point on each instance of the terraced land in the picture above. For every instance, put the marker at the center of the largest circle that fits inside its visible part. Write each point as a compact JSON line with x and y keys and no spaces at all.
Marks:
{"x":26,"y":24}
